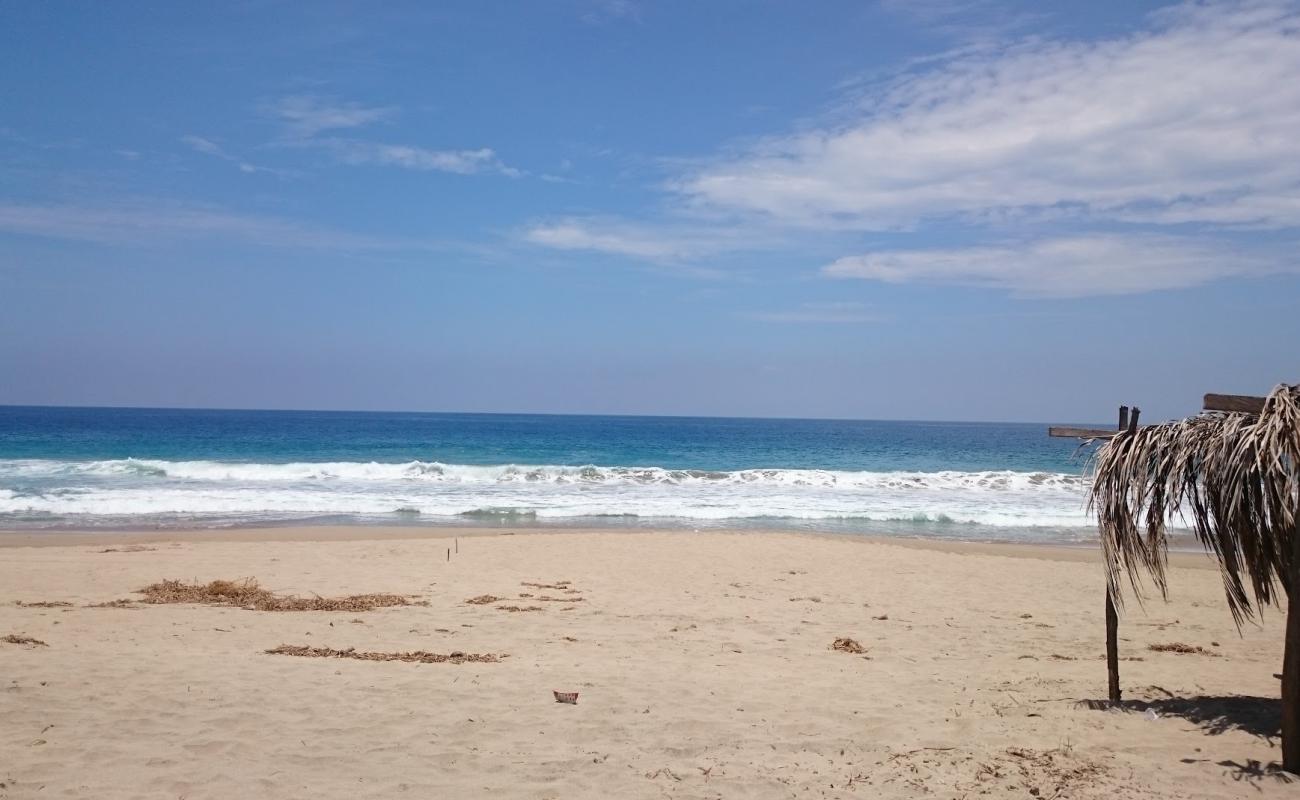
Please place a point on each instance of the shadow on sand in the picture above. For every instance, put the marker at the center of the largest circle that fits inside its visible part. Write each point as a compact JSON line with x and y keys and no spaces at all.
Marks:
{"x":1257,"y":716}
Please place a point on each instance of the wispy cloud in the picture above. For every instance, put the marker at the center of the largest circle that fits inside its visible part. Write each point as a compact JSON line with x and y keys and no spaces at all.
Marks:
{"x":1160,"y":144}
{"x":307,"y":117}
{"x":211,"y":148}
{"x":654,"y":242}
{"x":603,"y":11}
{"x":461,"y":162}
{"x":845,"y":313}
{"x":1065,"y":267}
{"x":965,"y":20}
{"x":206,"y":146}
{"x":155,"y":224}
{"x":605,"y":238}
{"x":1195,"y":114}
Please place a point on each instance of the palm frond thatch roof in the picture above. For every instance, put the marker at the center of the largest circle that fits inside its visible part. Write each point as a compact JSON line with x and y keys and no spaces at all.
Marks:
{"x":1234,"y":477}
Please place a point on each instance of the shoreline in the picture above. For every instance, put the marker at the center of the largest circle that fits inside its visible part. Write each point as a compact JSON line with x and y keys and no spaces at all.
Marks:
{"x":1053,"y":551}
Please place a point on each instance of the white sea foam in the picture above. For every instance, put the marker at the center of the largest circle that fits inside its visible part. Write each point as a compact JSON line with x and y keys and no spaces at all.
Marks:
{"x":436,"y":472}
{"x":208,"y":489}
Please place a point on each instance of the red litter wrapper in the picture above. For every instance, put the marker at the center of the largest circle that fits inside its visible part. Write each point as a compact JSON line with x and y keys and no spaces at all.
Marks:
{"x":566,"y":697}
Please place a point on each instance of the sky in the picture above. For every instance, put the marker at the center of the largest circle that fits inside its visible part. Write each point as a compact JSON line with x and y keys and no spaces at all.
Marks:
{"x":906,"y":209}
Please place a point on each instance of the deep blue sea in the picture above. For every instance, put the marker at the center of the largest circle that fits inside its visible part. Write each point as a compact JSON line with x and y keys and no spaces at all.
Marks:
{"x":77,"y":468}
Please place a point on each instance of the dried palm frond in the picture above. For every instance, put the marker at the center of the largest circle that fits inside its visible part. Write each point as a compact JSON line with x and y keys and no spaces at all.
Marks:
{"x":417,"y":656}
{"x":1234,"y":477}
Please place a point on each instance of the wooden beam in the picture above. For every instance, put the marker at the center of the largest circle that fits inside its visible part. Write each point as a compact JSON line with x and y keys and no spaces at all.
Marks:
{"x":1234,"y":402}
{"x":1080,"y":433}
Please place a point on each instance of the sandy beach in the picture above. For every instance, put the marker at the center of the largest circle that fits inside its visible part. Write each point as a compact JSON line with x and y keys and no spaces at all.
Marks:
{"x":703,"y":662}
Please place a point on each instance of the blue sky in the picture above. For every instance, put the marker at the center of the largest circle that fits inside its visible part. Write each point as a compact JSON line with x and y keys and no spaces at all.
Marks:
{"x":937,"y":209}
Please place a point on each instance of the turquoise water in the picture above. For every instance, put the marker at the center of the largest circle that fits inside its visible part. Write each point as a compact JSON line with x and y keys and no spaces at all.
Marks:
{"x":85,"y":467}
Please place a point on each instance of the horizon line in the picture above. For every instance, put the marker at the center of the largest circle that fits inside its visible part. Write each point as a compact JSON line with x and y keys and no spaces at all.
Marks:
{"x":532,"y":414}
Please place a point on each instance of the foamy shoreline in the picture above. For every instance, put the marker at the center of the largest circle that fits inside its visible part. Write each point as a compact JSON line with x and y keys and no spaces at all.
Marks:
{"x":146,"y":491}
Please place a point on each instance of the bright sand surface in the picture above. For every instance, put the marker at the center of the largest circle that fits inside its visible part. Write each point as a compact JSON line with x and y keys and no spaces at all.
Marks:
{"x":703,"y":662}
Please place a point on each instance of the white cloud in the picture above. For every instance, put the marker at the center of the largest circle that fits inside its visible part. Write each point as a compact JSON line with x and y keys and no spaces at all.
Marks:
{"x":1063,"y":267}
{"x":1191,"y":120}
{"x":605,"y":238}
{"x":308,"y":115}
{"x":663,"y":243}
{"x":819,"y":313}
{"x":207,"y":146}
{"x":1158,"y":145}
{"x":462,"y":162}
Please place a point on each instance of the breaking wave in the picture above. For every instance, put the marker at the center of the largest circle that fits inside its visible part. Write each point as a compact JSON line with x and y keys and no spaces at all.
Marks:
{"x":123,"y":489}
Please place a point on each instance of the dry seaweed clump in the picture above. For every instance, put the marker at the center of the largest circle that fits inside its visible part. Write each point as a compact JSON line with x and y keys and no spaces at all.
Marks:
{"x":483,"y":600}
{"x":1179,"y":647}
{"x":847,"y":645}
{"x":248,"y":594}
{"x":14,"y":638}
{"x":417,"y":656}
{"x":122,"y":603}
{"x":43,"y":604}
{"x":516,"y":609}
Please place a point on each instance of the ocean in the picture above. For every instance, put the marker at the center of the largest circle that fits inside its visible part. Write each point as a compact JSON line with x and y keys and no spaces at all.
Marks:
{"x":114,"y":468}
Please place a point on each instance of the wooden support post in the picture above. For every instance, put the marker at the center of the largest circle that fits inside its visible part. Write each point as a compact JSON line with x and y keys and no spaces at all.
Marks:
{"x":1112,"y":616}
{"x":1291,"y":663}
{"x":1112,"y":650}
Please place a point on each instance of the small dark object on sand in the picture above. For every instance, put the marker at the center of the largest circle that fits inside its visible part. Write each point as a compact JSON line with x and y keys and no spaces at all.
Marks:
{"x":16,"y":639}
{"x":1179,"y":647}
{"x":566,"y":697}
